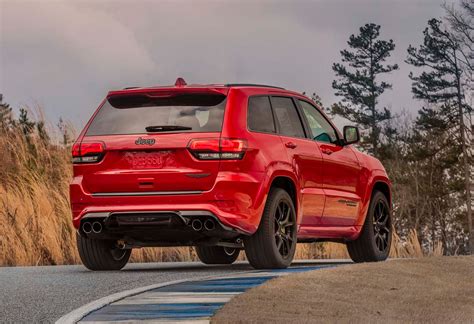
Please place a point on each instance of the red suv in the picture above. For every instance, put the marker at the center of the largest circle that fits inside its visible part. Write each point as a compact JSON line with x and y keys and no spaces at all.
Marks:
{"x":223,"y":168}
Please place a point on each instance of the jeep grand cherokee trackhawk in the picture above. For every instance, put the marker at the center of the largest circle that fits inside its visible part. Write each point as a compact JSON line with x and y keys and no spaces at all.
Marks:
{"x":223,"y":168}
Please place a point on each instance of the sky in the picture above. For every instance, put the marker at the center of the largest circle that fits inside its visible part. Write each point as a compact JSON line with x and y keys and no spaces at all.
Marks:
{"x":65,"y":55}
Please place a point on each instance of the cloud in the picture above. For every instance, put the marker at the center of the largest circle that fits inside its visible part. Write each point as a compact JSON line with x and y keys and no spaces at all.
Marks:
{"x":67,"y":54}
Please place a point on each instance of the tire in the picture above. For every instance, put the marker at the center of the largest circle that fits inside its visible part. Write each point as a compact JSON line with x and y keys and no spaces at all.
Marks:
{"x":374,"y":241}
{"x":100,"y":255}
{"x":217,"y":254}
{"x":273,"y":245}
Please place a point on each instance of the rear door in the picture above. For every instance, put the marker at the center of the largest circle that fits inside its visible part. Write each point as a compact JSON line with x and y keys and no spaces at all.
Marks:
{"x":146,"y":140}
{"x":304,"y":156}
{"x":340,"y":173}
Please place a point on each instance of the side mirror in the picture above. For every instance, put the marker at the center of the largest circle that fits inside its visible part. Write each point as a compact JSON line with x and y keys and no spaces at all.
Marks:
{"x":351,"y":135}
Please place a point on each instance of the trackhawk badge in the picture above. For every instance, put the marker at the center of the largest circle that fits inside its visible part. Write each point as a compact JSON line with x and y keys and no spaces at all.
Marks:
{"x":143,"y":141}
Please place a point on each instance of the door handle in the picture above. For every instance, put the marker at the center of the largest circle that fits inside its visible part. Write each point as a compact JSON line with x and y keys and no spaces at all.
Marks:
{"x":326,"y":151}
{"x":290,"y":145}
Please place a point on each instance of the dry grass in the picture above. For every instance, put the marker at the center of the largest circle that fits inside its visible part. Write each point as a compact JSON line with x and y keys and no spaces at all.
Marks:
{"x":34,"y":209}
{"x":321,"y":251}
{"x":33,"y":230}
{"x":426,"y":290}
{"x":411,"y":248}
{"x":35,"y":219}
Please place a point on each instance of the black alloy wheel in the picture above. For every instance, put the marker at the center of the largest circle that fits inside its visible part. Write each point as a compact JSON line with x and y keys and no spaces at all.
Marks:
{"x":273,"y":245}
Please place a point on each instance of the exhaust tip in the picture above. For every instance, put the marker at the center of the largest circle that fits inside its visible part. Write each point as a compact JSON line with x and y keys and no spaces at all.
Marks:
{"x":87,"y":227}
{"x":97,"y":227}
{"x":196,"y":224}
{"x":209,"y":225}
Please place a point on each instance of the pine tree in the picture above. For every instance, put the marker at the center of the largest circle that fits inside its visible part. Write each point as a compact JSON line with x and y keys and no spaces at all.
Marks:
{"x":42,"y":132}
{"x":6,"y":118}
{"x":461,"y":23}
{"x":27,"y":126}
{"x":318,"y":101}
{"x":357,"y":81}
{"x":439,"y":175}
{"x":64,"y":129}
{"x":440,"y":82}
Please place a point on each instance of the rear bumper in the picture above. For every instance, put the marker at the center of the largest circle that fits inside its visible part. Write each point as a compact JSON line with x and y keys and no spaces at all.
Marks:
{"x":164,"y":228}
{"x":236,"y":200}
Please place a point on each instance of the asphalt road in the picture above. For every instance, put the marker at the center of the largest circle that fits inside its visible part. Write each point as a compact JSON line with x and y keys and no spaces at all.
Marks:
{"x":44,"y":294}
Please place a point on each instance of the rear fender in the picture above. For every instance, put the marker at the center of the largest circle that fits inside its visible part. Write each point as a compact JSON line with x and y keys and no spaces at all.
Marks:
{"x":266,"y":186}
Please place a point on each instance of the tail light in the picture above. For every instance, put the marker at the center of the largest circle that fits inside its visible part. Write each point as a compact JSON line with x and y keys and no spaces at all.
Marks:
{"x":87,"y":152}
{"x":218,"y":148}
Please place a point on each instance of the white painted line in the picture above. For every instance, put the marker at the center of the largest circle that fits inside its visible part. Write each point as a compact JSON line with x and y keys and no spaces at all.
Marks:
{"x":153,"y":321}
{"x":79,"y":313}
{"x":76,"y":315}
{"x":174,"y":300}
{"x":184,"y":293}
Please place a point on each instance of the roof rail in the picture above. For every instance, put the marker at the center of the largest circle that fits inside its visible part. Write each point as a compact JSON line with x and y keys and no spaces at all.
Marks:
{"x":251,"y":85}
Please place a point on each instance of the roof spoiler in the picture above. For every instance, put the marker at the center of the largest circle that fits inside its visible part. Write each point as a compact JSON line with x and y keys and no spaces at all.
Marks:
{"x":168,"y":92}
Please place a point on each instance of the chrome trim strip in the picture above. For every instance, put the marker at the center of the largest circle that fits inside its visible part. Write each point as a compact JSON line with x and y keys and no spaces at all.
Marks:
{"x":96,"y":215}
{"x":145,"y":193}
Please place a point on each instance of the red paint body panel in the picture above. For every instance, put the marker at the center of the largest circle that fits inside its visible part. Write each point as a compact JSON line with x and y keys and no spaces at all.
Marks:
{"x":340,"y":180}
{"x":332,"y":189}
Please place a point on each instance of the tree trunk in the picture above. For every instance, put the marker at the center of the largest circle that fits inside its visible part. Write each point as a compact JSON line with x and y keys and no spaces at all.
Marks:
{"x":467,"y":167}
{"x":372,"y":103}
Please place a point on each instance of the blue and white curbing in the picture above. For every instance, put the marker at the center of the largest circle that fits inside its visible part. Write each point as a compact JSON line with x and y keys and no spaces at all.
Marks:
{"x":184,"y":301}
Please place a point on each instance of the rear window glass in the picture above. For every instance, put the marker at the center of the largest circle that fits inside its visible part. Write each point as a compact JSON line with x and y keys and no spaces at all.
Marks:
{"x":259,"y":115}
{"x":287,"y":116}
{"x":133,"y":114}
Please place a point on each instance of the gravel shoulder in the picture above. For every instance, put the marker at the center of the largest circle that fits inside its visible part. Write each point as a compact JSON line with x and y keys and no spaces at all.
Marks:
{"x":429,"y":290}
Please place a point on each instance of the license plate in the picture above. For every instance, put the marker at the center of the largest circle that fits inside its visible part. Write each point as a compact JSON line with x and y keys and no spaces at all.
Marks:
{"x":147,"y":160}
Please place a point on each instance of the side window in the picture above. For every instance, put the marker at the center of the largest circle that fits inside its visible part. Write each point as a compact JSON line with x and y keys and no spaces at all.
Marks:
{"x":259,"y":115}
{"x":321,"y":129}
{"x":287,"y":116}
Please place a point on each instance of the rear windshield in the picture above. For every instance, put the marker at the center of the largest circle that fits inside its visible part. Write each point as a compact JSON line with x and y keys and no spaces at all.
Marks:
{"x":133,"y":114}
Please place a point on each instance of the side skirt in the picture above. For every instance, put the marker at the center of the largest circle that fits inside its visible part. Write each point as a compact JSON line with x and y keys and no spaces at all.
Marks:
{"x":323,"y":233}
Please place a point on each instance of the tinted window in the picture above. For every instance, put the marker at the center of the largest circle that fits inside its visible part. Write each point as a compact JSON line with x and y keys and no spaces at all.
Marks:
{"x":132,"y":114}
{"x":259,"y":115}
{"x":287,"y":116}
{"x":321,"y":129}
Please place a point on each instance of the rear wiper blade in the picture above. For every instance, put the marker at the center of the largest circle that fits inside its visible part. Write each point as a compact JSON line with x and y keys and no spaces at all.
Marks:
{"x":166,"y":128}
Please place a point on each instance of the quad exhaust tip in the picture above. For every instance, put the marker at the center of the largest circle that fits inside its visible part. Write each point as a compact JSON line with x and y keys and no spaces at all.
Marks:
{"x":87,"y":227}
{"x":196,"y":224}
{"x":96,"y":227}
{"x":209,"y":225}
{"x":199,"y":225}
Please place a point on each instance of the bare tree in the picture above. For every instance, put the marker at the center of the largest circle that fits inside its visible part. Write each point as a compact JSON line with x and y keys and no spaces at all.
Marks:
{"x":461,"y":22}
{"x":441,"y":82}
